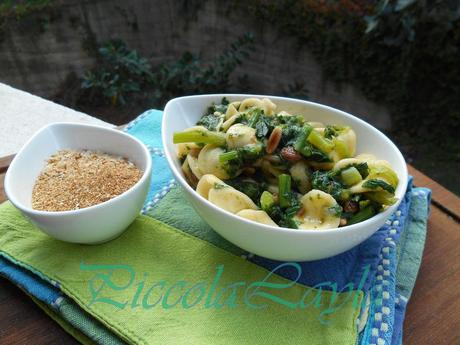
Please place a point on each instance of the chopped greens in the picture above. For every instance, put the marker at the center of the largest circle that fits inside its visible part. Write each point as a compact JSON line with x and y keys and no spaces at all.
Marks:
{"x":210,"y":121}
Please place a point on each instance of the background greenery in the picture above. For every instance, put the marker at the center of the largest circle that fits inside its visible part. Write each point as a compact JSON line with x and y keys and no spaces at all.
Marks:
{"x":404,"y":54}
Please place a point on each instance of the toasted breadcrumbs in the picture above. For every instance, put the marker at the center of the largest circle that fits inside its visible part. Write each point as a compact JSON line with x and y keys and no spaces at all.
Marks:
{"x":77,"y":179}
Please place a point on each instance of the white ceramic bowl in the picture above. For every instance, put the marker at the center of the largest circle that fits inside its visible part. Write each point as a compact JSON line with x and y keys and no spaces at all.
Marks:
{"x":268,"y":241}
{"x":91,"y":225}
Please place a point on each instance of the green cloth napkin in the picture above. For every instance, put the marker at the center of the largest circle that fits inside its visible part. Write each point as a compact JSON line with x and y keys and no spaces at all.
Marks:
{"x":118,"y":284}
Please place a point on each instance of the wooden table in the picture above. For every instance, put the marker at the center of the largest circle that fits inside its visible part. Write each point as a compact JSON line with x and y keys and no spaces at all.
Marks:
{"x":433,"y":314}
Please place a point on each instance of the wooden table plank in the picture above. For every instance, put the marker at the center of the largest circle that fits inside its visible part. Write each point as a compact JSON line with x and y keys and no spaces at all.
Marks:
{"x":443,"y":198}
{"x":433,"y":313}
{"x":23,"y":322}
{"x":5,"y":163}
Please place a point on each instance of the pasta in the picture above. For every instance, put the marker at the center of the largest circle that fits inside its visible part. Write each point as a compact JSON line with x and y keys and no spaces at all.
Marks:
{"x":277,"y":169}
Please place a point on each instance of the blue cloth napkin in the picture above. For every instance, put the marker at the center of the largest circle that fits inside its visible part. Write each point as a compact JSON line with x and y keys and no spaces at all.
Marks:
{"x":387,"y":290}
{"x":384,"y":267}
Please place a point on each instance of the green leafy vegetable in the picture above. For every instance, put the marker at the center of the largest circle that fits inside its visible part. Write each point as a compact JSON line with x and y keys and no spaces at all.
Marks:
{"x":323,"y":180}
{"x":220,"y":108}
{"x":378,"y":185}
{"x":267,"y":201}
{"x":210,"y":121}
{"x":351,"y":176}
{"x":284,"y":186}
{"x":251,"y":188}
{"x":362,"y":215}
{"x":336,"y":210}
{"x":263,"y":126}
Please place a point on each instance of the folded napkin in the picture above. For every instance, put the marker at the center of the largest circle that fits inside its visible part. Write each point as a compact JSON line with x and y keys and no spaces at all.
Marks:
{"x":170,"y":279}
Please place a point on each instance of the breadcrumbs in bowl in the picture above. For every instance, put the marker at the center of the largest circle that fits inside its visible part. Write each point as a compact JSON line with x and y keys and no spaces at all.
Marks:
{"x":80,"y":183}
{"x":73,"y":179}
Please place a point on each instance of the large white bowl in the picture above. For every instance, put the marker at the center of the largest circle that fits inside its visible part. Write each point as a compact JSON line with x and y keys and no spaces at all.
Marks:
{"x":268,"y":241}
{"x":95,"y":224}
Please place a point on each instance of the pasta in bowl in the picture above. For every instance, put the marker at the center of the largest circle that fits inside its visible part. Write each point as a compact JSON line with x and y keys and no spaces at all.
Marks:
{"x":287,"y":171}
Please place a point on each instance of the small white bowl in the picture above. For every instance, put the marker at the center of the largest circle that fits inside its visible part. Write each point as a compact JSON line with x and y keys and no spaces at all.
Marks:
{"x":91,"y":225}
{"x":268,"y":241}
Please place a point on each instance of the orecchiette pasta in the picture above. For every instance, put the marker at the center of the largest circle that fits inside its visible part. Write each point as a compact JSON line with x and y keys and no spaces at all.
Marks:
{"x":249,"y":103}
{"x":319,"y":211}
{"x":276,"y":168}
{"x":184,"y":148}
{"x":194,"y":167}
{"x":230,"y":199}
{"x":240,"y":135}
{"x":208,"y":161}
{"x":349,"y":139}
{"x":205,"y":184}
{"x":231,"y":111}
{"x":257,"y":216}
{"x":231,"y":120}
{"x":269,"y":107}
{"x":221,"y":194}
{"x":191,"y":178}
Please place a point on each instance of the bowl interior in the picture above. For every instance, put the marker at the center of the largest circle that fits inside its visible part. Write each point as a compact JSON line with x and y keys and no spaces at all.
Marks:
{"x":184,"y":112}
{"x":31,"y":159}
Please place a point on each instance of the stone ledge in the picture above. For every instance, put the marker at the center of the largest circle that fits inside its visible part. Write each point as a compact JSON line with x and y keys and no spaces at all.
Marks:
{"x":22,"y":114}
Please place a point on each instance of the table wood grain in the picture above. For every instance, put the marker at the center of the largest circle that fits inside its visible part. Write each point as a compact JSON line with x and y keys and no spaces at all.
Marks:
{"x":433,"y":313}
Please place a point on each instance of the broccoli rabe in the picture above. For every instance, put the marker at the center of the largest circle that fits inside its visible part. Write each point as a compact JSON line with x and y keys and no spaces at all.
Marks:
{"x":303,"y":146}
{"x":362,"y":215}
{"x":381,"y":198}
{"x":220,"y":108}
{"x":336,"y":210}
{"x":378,"y":185}
{"x":236,"y":159}
{"x":362,"y":168}
{"x":284,"y":217}
{"x":267,"y":200}
{"x":214,"y":115}
{"x":263,"y":126}
{"x":251,"y":188}
{"x":243,"y":154}
{"x":333,"y":131}
{"x":290,"y":135}
{"x":325,"y":181}
{"x":200,"y":135}
{"x":210,"y":121}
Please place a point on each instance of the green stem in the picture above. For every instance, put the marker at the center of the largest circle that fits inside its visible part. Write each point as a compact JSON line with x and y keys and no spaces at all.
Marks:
{"x":284,"y":186}
{"x":341,"y":148}
{"x":351,"y":176}
{"x":199,"y":136}
{"x":301,"y":144}
{"x":254,"y":118}
{"x":362,"y":215}
{"x":266,"y":201}
{"x":382,"y":197}
{"x":228,"y":156}
{"x":318,"y":141}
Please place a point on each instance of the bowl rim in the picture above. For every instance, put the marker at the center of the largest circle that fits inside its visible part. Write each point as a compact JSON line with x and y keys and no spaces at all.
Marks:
{"x":378,"y":218}
{"x":29,"y":210}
